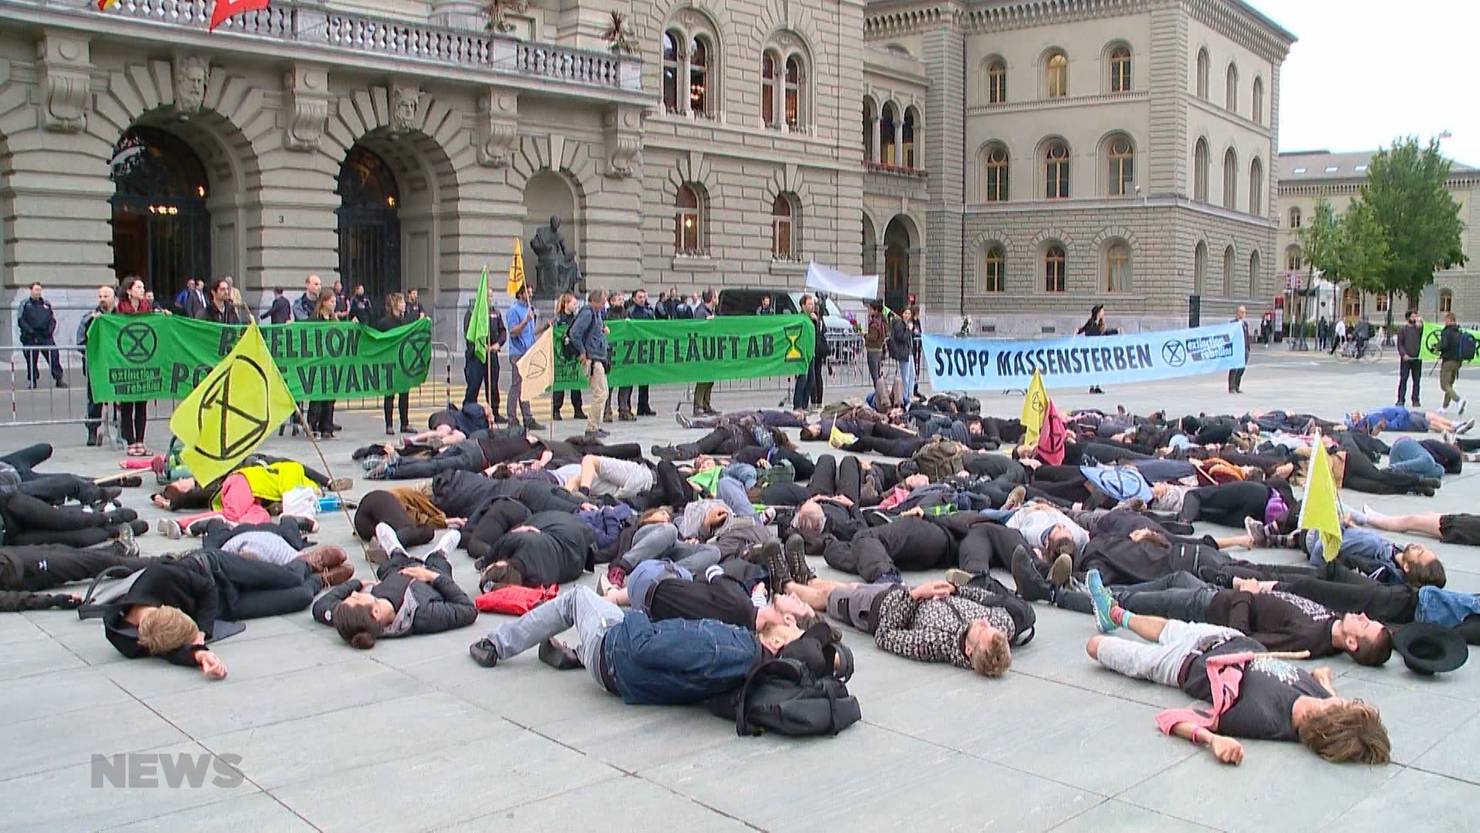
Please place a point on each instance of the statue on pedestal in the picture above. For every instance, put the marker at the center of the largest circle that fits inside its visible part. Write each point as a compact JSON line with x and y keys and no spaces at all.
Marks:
{"x":556,"y":270}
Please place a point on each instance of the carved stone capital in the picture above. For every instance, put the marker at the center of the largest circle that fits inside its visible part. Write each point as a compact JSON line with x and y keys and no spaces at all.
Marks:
{"x":63,"y":61}
{"x":405,"y":107}
{"x":498,"y":127}
{"x":192,"y":74}
{"x":307,"y":102}
{"x":623,"y":127}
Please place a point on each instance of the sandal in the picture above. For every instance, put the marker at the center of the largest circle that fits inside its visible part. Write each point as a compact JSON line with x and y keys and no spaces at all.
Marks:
{"x":136,"y":450}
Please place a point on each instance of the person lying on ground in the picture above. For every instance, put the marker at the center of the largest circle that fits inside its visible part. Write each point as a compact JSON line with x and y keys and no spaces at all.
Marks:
{"x":1269,"y":700}
{"x":538,"y":550}
{"x":665,"y":590}
{"x":27,"y":571}
{"x":768,"y":417}
{"x":410,"y":596}
{"x":1361,"y":549}
{"x":1392,"y":604}
{"x":33,"y":520}
{"x":1453,"y":528}
{"x":656,"y":537}
{"x":408,"y":510}
{"x":1377,"y":420}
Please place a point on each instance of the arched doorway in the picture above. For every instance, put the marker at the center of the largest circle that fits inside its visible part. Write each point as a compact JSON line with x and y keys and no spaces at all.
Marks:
{"x":870,"y":259}
{"x":369,"y":224}
{"x":898,"y":246}
{"x":161,"y":227}
{"x":549,"y":194}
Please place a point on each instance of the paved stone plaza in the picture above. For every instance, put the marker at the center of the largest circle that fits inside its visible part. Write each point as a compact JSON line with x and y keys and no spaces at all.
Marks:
{"x":414,"y":736}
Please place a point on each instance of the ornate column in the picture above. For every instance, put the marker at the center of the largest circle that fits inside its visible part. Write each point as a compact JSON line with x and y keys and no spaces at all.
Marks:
{"x":897,"y":140}
{"x":876,"y":153}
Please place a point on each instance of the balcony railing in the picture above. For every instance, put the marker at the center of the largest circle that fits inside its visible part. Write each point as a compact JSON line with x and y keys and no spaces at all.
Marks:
{"x":898,"y":170}
{"x":312,"y":25}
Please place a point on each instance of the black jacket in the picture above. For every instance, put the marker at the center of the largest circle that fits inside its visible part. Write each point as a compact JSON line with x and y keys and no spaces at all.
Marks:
{"x":461,"y":494}
{"x":497,"y":333}
{"x":360,"y":307}
{"x":640,"y":313}
{"x":281,"y":311}
{"x":441,"y":605}
{"x":186,"y":584}
{"x":389,"y":322}
{"x":901,"y":342}
{"x":555,"y":555}
{"x":1410,"y":340}
{"x":37,"y":321}
{"x":225,"y":315}
{"x":1449,"y":343}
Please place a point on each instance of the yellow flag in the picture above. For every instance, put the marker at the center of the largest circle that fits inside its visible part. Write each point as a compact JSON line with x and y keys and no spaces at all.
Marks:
{"x":516,"y":270}
{"x":537,"y":365}
{"x":838,"y":438}
{"x":232,"y":410}
{"x":1321,"y":508}
{"x":1034,"y":406}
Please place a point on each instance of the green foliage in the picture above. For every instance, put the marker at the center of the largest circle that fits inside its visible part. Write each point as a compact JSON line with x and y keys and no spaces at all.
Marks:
{"x":1406,"y":203}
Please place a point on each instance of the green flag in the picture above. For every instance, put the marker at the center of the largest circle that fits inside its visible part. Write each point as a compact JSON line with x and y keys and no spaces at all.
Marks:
{"x":477,"y":333}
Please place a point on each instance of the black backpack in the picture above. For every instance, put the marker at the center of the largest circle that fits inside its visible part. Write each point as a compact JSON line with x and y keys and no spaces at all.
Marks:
{"x":784,"y":696}
{"x":569,"y":350}
{"x":1466,"y":346}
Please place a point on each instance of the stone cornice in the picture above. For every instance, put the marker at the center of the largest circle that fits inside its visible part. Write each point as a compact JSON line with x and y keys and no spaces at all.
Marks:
{"x":999,"y":16}
{"x":1246,"y":27}
{"x":1351,"y":185}
{"x":907,"y":17}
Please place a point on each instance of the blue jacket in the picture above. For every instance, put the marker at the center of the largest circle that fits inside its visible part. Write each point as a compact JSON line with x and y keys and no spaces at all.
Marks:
{"x":589,"y":334}
{"x":677,"y":661}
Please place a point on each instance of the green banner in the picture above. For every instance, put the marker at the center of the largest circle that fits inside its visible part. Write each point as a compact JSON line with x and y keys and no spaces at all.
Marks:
{"x":1430,"y":350}
{"x":132,"y":358}
{"x":685,"y":352}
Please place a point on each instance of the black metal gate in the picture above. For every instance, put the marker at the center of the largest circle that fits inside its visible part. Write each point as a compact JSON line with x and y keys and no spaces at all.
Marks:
{"x":161,"y":227}
{"x":369,"y":225}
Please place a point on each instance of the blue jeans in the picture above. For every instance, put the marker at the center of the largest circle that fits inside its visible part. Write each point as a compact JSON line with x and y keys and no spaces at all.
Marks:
{"x":677,"y":661}
{"x":907,"y":378}
{"x":1408,"y":456}
{"x":1355,"y":541}
{"x":591,"y":616}
{"x":645,"y":576}
{"x":1445,"y":607}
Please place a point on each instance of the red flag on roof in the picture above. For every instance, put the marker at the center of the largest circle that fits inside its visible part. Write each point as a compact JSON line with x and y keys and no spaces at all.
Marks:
{"x":225,"y":9}
{"x":1051,"y":437}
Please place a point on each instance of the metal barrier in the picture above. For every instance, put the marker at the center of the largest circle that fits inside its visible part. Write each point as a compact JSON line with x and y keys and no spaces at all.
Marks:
{"x":846,"y":366}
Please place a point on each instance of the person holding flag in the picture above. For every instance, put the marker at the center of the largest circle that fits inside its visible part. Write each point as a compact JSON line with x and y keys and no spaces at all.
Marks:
{"x":520,"y":318}
{"x":484,"y":331}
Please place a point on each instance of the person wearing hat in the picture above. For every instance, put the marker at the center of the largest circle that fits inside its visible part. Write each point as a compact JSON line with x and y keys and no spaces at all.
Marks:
{"x":1253,"y":694}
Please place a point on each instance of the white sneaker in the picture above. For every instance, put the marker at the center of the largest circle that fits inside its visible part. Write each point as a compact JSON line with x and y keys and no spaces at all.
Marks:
{"x":1464,"y":427}
{"x":445,"y":543}
{"x":1369,"y":513}
{"x":603,"y":584}
{"x":386,"y":538}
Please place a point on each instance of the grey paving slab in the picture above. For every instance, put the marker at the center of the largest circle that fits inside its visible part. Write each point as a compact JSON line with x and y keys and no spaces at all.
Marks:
{"x":16,"y":629}
{"x":35,"y":656}
{"x":617,"y":805}
{"x":1456,"y":755}
{"x":59,"y":693}
{"x":1114,"y":816}
{"x":271,"y":656}
{"x":441,"y":782}
{"x":61,"y":740}
{"x":1417,"y":714}
{"x":637,"y":739}
{"x":33,"y":803}
{"x":252,"y":812}
{"x":1415,"y":800}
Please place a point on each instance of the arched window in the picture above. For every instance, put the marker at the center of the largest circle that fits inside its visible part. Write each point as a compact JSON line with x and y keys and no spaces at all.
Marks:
{"x":994,"y":269}
{"x":1294,"y":218}
{"x":672,"y":61}
{"x":1228,"y":272}
{"x":784,"y":228}
{"x":1254,"y":275}
{"x":995,"y":167}
{"x":793,"y":100}
{"x":1203,"y":68}
{"x":1056,"y":76}
{"x":908,"y":157}
{"x":1054,"y":263}
{"x":1294,"y":259}
{"x":770,"y":76}
{"x":1117,"y":267}
{"x":870,"y":122}
{"x":1256,"y":186}
{"x":699,"y":55}
{"x":1200,"y":171}
{"x":996,"y":81}
{"x":1120,"y":69}
{"x":889,"y":134}
{"x":1382,"y":301}
{"x":1446,"y":301}
{"x":1200,"y":269}
{"x":1121,"y":157}
{"x":1056,"y":170}
{"x":1258,"y":114}
{"x":1230,"y":90}
{"x":1230,"y":179}
{"x":688,"y":218}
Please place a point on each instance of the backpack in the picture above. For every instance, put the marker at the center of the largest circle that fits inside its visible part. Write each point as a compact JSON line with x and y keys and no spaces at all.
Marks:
{"x":939,"y":458}
{"x":784,"y":696}
{"x":1466,"y":346}
{"x":569,"y":350}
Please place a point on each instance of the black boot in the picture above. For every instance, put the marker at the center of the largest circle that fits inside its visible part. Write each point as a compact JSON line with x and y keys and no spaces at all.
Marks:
{"x":1031,"y":585}
{"x":559,"y":656}
{"x":796,"y":560}
{"x":484,"y":653}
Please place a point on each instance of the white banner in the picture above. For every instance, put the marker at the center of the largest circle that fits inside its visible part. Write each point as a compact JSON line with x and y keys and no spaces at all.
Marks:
{"x":831,"y":280}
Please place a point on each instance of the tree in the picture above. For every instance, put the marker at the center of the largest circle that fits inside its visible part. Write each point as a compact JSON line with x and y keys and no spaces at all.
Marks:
{"x":1406,"y":200}
{"x":1350,"y":249}
{"x":1320,"y":239}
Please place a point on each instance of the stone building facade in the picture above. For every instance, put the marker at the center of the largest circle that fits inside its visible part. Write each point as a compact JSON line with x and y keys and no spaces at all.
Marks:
{"x":1083,"y":152}
{"x":406,"y":143}
{"x":1308,"y":177}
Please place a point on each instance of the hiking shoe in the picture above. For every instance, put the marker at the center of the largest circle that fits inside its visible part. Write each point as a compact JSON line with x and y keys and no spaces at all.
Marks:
{"x":1031,"y":587}
{"x":1464,"y":427}
{"x":531,"y":424}
{"x":558,"y":655}
{"x":773,"y":559}
{"x":324,"y":557}
{"x":1258,"y":535}
{"x":1102,"y":600}
{"x":170,"y":528}
{"x":1061,"y":570}
{"x":341,"y":484}
{"x":484,"y":653}
{"x":796,"y":560}
{"x":337,"y":575}
{"x":1015,"y":498}
{"x":959,"y":577}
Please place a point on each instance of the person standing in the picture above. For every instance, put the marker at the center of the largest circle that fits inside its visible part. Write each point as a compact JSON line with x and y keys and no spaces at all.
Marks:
{"x":1236,"y":376}
{"x":521,"y":321}
{"x":395,"y":316}
{"x":640,"y":310}
{"x":321,"y":413}
{"x":195,"y":300}
{"x":588,"y":334}
{"x":1451,"y":356}
{"x":107,"y":300}
{"x":183,"y":296}
{"x":704,"y":310}
{"x":1410,"y":342}
{"x":765,"y":308}
{"x":133,"y":417}
{"x":475,"y":370}
{"x":38,"y":325}
{"x":341,"y":303}
{"x":616,"y":311}
{"x":281,"y":310}
{"x":874,"y":336}
{"x":414,"y":310}
{"x":1340,"y":336}
{"x":1323,"y":332}
{"x":900,"y":350}
{"x":360,"y":306}
{"x":303,"y":308}
{"x":219,"y":308}
{"x":1095,"y":326}
{"x":565,"y":315}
